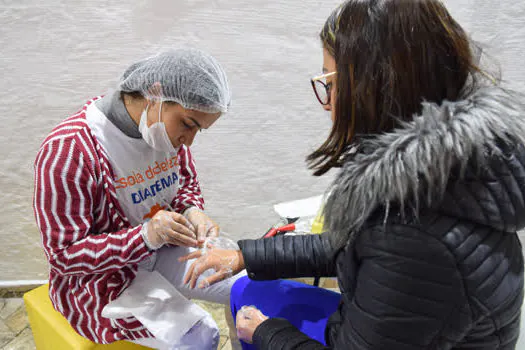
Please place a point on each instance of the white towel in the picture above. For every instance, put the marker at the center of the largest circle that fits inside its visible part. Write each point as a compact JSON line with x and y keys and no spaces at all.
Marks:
{"x":165,"y":312}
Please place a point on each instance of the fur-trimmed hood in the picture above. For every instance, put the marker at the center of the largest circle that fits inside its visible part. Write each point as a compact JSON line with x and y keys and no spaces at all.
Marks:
{"x":461,"y":153}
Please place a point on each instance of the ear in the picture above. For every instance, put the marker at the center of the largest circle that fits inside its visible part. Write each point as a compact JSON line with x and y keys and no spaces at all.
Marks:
{"x":154,"y":94}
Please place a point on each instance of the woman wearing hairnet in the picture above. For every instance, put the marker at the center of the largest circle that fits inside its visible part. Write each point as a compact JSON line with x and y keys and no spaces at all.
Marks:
{"x":117,"y":201}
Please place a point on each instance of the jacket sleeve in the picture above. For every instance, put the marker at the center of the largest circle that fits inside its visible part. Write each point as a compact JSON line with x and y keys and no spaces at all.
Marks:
{"x":288,"y":257}
{"x":65,"y":196}
{"x":408,"y":295}
{"x":189,"y":194}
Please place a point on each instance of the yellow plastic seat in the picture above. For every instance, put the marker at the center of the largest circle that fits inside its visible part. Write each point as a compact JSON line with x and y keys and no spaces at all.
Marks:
{"x":52,"y":331}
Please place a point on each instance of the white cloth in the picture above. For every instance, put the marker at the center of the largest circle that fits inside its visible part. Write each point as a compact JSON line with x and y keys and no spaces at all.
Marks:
{"x":161,"y":301}
{"x":145,"y":180}
{"x":203,"y":335}
{"x":166,"y":313}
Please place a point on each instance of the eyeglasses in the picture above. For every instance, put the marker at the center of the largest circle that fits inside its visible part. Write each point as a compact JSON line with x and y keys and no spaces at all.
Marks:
{"x":321,"y":88}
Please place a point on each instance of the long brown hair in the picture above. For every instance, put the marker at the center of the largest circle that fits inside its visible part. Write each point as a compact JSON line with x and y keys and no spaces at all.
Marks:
{"x":391,"y":55}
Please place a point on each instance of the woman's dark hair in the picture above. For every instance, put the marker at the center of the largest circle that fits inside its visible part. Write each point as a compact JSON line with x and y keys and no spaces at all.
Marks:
{"x":391,"y":55}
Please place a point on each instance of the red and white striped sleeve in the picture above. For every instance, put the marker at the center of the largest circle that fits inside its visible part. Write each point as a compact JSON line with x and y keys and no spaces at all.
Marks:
{"x":189,"y":194}
{"x":64,"y":200}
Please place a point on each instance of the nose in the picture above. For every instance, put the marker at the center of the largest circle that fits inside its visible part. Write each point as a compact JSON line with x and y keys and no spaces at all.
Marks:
{"x":188,"y":137}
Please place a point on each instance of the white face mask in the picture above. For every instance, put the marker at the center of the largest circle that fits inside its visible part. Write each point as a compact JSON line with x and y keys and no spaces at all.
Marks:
{"x":156,"y":135}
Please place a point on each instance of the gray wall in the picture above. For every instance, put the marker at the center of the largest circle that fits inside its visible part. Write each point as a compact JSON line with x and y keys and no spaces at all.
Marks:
{"x":57,"y":54}
{"x":500,"y":27}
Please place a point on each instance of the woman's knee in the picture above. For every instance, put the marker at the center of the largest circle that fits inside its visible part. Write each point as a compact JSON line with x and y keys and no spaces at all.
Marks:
{"x":203,"y":335}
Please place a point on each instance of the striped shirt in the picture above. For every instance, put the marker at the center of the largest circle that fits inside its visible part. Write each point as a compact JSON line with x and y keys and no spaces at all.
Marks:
{"x":89,"y":243}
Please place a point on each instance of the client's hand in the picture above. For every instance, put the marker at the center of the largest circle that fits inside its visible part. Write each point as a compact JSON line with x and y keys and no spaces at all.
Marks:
{"x":226,"y":262}
{"x":248,"y":319}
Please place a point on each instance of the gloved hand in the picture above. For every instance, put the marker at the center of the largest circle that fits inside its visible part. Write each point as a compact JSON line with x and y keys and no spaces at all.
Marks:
{"x":219,"y":254}
{"x":167,"y":227}
{"x":248,"y":319}
{"x":205,"y":226}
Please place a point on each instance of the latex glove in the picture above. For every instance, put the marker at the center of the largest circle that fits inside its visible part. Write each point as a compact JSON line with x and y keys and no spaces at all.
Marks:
{"x":205,"y":226}
{"x":168,"y":227}
{"x":219,"y":254}
{"x":248,"y":319}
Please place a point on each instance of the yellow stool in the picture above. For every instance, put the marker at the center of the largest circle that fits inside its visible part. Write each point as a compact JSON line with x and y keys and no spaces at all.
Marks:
{"x":51,"y":330}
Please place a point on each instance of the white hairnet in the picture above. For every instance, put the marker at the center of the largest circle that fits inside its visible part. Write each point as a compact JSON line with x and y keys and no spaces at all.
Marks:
{"x":190,"y":77}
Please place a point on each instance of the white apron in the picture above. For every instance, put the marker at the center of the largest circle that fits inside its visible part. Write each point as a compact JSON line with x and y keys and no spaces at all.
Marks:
{"x":147,"y":181}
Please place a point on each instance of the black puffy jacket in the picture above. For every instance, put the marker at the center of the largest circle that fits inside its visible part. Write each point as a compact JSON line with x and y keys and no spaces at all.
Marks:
{"x":421,"y":234}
